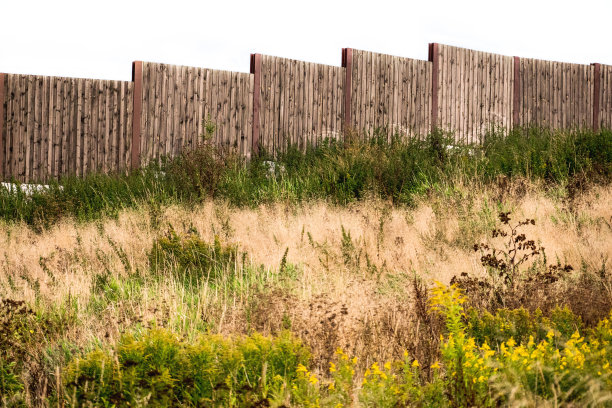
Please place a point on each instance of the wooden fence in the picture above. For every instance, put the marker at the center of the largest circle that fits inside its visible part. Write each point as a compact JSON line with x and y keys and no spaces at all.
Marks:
{"x":55,"y":126}
{"x":555,"y":94}
{"x":301,"y":103}
{"x":389,"y":92}
{"x":178,"y":100}
{"x":474,"y":91}
{"x":605,"y":97}
{"x":50,"y":126}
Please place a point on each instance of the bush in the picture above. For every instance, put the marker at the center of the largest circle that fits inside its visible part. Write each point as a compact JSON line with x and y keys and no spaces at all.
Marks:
{"x":165,"y":370}
{"x":191,"y":258}
{"x":399,"y":169}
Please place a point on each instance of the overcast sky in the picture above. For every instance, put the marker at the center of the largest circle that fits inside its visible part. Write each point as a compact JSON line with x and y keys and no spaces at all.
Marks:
{"x":100,"y":39}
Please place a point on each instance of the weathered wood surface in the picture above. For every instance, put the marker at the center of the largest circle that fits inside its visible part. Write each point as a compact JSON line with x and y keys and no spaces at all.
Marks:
{"x":178,"y":101}
{"x":301,"y":103}
{"x":475,"y":91}
{"x":389,"y":93}
{"x":65,"y":126}
{"x":56,"y":126}
{"x":555,"y":95}
{"x":605,"y":97}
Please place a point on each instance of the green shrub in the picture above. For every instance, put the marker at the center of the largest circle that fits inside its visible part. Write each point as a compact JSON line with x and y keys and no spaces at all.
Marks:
{"x":165,"y":370}
{"x":193,"y":259}
{"x":396,"y":168}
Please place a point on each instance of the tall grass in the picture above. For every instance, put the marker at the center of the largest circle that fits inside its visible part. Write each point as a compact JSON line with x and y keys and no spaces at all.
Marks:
{"x":398,"y":169}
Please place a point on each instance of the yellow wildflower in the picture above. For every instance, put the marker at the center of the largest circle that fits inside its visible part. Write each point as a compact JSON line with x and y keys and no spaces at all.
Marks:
{"x":435,"y":365}
{"x":415,"y":363}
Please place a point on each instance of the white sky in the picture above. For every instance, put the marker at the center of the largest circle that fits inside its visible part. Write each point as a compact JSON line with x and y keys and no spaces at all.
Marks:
{"x":100,"y":39}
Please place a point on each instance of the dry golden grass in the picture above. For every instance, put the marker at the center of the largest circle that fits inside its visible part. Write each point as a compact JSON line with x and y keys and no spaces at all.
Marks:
{"x":331,"y":301}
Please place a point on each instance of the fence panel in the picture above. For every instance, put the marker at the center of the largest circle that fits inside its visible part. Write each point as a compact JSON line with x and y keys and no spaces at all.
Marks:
{"x":58,"y":126}
{"x":475,"y":91}
{"x":301,"y":103}
{"x":390,"y":92}
{"x":555,"y":95}
{"x":605,"y":97}
{"x":177,"y":101}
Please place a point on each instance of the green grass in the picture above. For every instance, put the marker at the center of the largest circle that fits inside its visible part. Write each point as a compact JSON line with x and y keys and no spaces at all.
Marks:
{"x":398,"y":169}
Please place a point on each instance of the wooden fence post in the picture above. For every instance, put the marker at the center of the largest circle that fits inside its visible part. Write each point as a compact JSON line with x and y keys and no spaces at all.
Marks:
{"x":347,"y":64}
{"x":2,"y":122}
{"x":434,"y":58}
{"x":136,"y":112}
{"x":515,"y":91}
{"x":256,"y":71}
{"x":596,"y":91}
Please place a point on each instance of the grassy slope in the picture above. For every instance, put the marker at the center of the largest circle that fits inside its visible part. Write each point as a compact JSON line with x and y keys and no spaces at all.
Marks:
{"x":335,"y":275}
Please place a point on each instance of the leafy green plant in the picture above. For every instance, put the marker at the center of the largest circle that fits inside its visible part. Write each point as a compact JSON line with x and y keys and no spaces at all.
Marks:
{"x":160,"y":367}
{"x":191,"y":257}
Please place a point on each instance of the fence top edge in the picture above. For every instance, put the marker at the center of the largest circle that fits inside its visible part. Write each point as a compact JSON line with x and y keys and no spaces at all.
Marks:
{"x":64,"y":78}
{"x":145,"y":63}
{"x":299,"y":61}
{"x":390,"y":55}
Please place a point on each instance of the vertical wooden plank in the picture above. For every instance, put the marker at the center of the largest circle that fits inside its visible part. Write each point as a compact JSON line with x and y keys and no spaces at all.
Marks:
{"x":106,"y":123}
{"x":282,"y":95}
{"x":93,"y":127}
{"x":76,"y":160}
{"x":19,"y":148}
{"x":49,"y":127}
{"x":36,"y":109}
{"x":348,"y":69}
{"x":116,"y":130}
{"x":56,"y":136}
{"x":214,"y":102}
{"x":471,"y":100}
{"x":175,"y":119}
{"x":29,"y":130}
{"x":199,"y":98}
{"x":9,"y":126}
{"x":3,"y":124}
{"x":515,"y":91}
{"x":256,"y":71}
{"x":330,"y":127}
{"x":243,"y":113}
{"x":99,"y":145}
{"x":320,"y":69}
{"x":129,"y":126}
{"x":357,"y":96}
{"x":302,"y":110}
{"x":188,"y":109}
{"x":226,"y":102}
{"x":364,"y":81}
{"x":290,"y":106}
{"x":153,"y":140}
{"x":596,"y":95}
{"x":370,"y":89}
